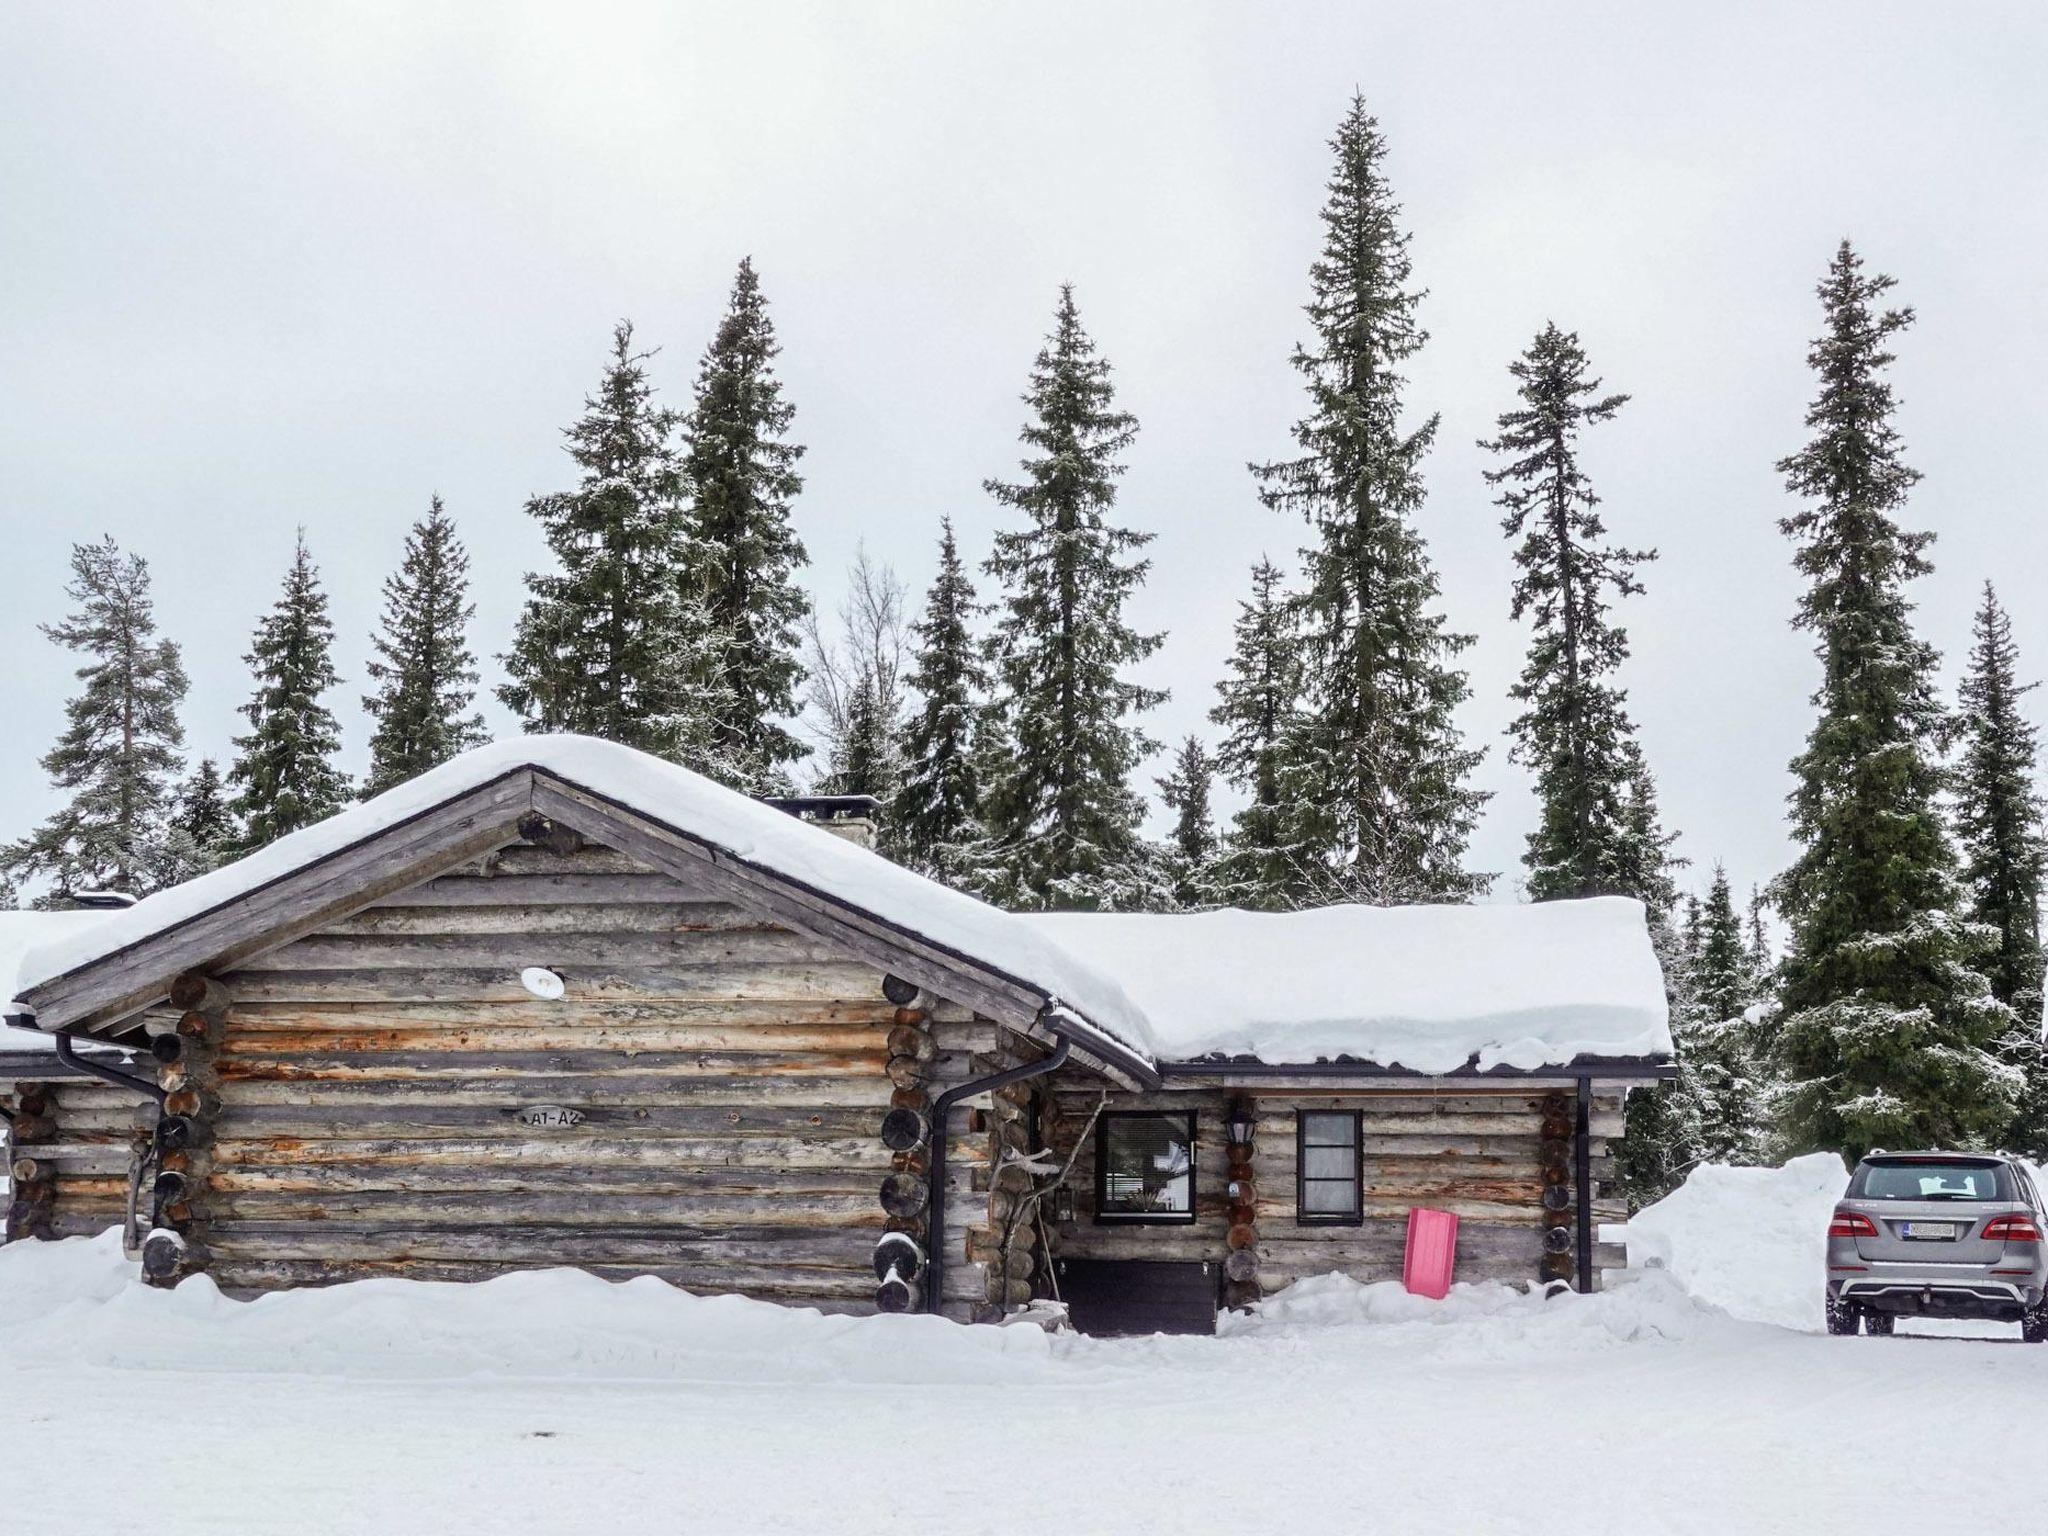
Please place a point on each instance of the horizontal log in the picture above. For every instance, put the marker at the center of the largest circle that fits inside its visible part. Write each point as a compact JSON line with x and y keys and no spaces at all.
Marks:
{"x":665,"y":913}
{"x":427,"y":1120}
{"x":484,"y":1033}
{"x":764,"y":1151}
{"x":687,"y":948}
{"x":548,"y":1245}
{"x":510,"y":1181}
{"x":821,"y":982}
{"x":370,"y":1015}
{"x":619,"y":1097}
{"x":703,"y":1213}
{"x":398,"y":1066}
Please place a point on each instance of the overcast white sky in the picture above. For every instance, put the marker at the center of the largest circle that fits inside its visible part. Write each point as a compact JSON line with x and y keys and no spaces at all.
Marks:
{"x":265,"y":265}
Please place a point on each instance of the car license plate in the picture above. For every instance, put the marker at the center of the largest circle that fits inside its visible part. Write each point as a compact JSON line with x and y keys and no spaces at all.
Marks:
{"x":1924,"y":1230}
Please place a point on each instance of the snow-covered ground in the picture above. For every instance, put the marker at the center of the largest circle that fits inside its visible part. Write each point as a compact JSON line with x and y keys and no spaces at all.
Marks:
{"x":1699,"y":1397}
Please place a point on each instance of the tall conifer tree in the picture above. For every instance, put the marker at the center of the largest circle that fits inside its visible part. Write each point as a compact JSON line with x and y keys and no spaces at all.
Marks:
{"x":1888,"y":1027}
{"x":1998,"y":821}
{"x":203,"y":831}
{"x":609,"y":644}
{"x":1064,"y":813}
{"x":1373,"y":761}
{"x":741,"y":472}
{"x":118,"y":756}
{"x":1191,"y":849}
{"x":424,"y":670}
{"x":938,"y":824}
{"x":1718,"y":1041}
{"x":1597,"y":806}
{"x":284,"y":772}
{"x":1259,"y":866}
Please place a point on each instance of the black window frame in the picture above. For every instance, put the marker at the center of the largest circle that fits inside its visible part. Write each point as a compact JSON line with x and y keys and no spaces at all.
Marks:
{"x":1109,"y":1218}
{"x":1303,"y":1216}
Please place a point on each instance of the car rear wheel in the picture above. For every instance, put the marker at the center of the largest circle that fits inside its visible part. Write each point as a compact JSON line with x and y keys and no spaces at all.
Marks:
{"x":1841,"y":1319}
{"x":1878,"y":1324}
{"x":2034,"y":1326}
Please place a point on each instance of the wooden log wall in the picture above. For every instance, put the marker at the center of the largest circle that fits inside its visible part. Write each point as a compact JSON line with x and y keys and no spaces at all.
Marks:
{"x":1479,"y":1155}
{"x":68,"y":1155}
{"x":705,"y":1103}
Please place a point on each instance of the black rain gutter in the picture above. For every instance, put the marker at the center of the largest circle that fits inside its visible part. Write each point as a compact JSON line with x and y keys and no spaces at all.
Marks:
{"x":67,"y":1052}
{"x":935,"y":1248}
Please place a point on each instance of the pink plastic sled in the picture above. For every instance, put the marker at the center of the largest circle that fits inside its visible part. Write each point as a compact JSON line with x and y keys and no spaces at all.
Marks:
{"x":1432,"y":1251}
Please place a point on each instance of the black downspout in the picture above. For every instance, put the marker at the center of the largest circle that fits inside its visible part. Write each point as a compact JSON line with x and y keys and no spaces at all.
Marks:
{"x":935,"y":1250}
{"x":1582,"y":1174}
{"x":67,"y":1052}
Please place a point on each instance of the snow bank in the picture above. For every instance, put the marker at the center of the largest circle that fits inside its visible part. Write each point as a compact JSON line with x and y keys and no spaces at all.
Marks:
{"x":78,"y":1302}
{"x":1427,"y":988}
{"x":1750,"y":1240}
{"x":1490,"y":1319}
{"x":1420,"y":987}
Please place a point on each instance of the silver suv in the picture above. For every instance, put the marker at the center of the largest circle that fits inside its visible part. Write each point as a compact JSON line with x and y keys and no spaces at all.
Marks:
{"x":1938,"y":1234}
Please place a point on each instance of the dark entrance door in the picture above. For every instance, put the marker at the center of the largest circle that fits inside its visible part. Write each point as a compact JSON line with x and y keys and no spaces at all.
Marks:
{"x":1124,"y":1296}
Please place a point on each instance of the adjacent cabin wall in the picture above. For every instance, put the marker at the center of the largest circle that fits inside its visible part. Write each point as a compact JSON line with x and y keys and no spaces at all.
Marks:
{"x":1478,"y":1154}
{"x":724,"y":1080}
{"x":68,"y":1154}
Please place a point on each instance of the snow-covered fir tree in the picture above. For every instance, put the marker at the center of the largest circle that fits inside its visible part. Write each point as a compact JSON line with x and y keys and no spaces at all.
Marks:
{"x":1063,"y":813}
{"x":937,"y":811}
{"x":1592,"y":788}
{"x":1664,"y":1125}
{"x":610,"y":644}
{"x":1258,"y":864}
{"x":1717,"y":1041}
{"x":117,"y":759}
{"x":10,"y":893}
{"x":740,"y":468}
{"x":1998,"y":824}
{"x":203,"y":831}
{"x":423,"y":668}
{"x":1889,"y":1025}
{"x":284,"y":774}
{"x":1373,"y":762}
{"x":1191,"y":847}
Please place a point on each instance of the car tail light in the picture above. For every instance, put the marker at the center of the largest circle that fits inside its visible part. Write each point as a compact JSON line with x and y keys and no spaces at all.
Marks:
{"x":1852,"y":1224}
{"x":2012,"y":1229}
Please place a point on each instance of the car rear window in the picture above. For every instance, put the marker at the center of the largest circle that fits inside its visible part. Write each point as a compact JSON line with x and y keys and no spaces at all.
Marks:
{"x":1929,"y":1181}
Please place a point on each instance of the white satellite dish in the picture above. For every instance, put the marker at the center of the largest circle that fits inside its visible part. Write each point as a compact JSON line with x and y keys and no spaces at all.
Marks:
{"x":542,"y":983}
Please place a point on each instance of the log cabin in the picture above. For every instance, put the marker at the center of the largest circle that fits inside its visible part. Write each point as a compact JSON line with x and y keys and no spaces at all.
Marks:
{"x":561,"y":1003}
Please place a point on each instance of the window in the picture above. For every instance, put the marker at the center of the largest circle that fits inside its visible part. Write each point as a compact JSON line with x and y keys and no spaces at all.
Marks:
{"x":1145,"y":1167}
{"x":1934,"y":1179}
{"x":1331,"y":1168}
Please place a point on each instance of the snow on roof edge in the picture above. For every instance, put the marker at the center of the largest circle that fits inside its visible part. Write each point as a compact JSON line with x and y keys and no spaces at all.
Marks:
{"x":1126,"y":987}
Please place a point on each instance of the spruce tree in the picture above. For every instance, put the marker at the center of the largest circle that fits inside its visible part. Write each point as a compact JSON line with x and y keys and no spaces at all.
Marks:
{"x":937,"y":820}
{"x":203,"y":832}
{"x":118,"y":755}
{"x":1998,"y":823}
{"x":1258,"y":866}
{"x":284,"y":769}
{"x":741,"y":474}
{"x":1888,"y":1026}
{"x":1191,"y":849}
{"x":1574,"y":731}
{"x":1728,"y":1078}
{"x":1664,"y":1126}
{"x":609,"y":644}
{"x":424,"y":670}
{"x":1064,"y":814}
{"x":1373,"y":762}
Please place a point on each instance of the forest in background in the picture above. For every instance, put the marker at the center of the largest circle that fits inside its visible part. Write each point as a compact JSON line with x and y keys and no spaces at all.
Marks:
{"x":1000,"y":722}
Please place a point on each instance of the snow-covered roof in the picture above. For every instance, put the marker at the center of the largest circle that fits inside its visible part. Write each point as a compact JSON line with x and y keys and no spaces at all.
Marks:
{"x":21,"y":933}
{"x":1427,"y":988}
{"x":1421,"y":988}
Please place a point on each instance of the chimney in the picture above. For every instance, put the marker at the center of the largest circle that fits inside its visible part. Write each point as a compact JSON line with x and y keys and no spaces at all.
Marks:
{"x":853,"y":817}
